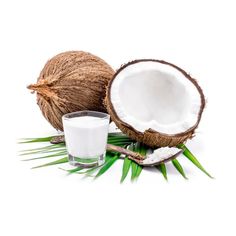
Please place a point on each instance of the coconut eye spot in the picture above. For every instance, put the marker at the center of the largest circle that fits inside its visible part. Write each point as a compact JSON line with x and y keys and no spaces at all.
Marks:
{"x":153,"y":95}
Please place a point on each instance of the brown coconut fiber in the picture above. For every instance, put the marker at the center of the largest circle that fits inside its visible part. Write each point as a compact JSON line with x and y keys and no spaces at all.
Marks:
{"x":151,"y":137}
{"x":69,"y":82}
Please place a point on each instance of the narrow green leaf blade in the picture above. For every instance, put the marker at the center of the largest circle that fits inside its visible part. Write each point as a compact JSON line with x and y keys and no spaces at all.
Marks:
{"x":107,"y":166}
{"x":134,"y":167}
{"x":162,"y":169}
{"x":120,"y":144}
{"x":117,"y":134}
{"x":142,"y":149}
{"x":89,"y":172}
{"x":60,"y":161}
{"x":126,"y":168}
{"x":138,"y":171}
{"x":178,"y":167}
{"x":118,"y":138}
{"x":47,"y":156}
{"x":42,"y":151}
{"x":74,"y":170}
{"x":52,"y":146}
{"x":193,"y":159}
{"x":35,"y":140}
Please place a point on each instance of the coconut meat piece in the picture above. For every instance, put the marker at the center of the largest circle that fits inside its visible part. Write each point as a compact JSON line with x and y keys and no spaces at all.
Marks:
{"x":161,"y":154}
{"x":153,"y":95}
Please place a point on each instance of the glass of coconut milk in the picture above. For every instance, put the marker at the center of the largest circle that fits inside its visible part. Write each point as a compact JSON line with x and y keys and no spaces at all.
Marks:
{"x":86,"y":137}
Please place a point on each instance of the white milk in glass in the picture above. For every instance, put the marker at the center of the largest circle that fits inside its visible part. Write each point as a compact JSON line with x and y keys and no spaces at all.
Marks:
{"x":86,"y":138}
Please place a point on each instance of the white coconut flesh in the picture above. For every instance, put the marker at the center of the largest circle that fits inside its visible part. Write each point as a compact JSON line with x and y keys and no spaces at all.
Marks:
{"x":161,"y":154}
{"x":153,"y":95}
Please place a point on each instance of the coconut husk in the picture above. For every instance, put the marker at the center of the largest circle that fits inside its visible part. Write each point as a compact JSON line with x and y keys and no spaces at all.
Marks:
{"x":151,"y":137}
{"x":69,"y":82}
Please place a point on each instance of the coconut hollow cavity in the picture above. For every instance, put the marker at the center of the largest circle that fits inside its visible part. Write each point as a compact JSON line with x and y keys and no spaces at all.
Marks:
{"x":155,"y":102}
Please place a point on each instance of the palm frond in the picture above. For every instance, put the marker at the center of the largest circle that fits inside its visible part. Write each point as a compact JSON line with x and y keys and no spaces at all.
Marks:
{"x":36,"y":140}
{"x":49,"y":147}
{"x":43,"y":151}
{"x":90,"y":171}
{"x":118,"y":139}
{"x":137,"y":169}
{"x":138,"y":172}
{"x":162,"y":169}
{"x":125,"y":169}
{"x":60,"y":161}
{"x":178,"y":167}
{"x":134,"y":167}
{"x":106,"y":166}
{"x":47,"y":156}
{"x":74,"y":170}
{"x":193,"y":159}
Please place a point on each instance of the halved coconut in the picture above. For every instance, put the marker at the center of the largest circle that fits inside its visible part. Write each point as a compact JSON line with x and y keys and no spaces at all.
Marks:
{"x":155,"y":102}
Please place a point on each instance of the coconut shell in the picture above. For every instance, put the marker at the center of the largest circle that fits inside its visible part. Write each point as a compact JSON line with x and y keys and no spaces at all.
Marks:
{"x":69,"y":82}
{"x":152,"y":137}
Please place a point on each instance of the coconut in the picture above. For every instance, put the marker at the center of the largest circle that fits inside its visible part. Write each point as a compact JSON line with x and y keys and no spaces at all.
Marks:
{"x":155,"y":102}
{"x":71,"y":81}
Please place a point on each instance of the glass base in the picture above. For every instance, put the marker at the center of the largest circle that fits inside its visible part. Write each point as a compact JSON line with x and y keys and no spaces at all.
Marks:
{"x":87,"y":162}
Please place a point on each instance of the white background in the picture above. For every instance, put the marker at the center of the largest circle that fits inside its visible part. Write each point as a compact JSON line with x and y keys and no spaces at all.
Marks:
{"x":198,"y":36}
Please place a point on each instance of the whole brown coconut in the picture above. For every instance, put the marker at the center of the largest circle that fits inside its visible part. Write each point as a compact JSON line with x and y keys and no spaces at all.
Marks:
{"x":155,"y":102}
{"x":69,"y":82}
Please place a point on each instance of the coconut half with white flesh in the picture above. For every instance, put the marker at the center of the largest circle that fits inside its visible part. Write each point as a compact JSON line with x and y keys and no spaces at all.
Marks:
{"x":155,"y":102}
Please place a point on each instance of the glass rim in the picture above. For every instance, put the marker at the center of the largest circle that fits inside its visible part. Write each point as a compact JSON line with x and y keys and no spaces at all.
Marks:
{"x":98,"y":114}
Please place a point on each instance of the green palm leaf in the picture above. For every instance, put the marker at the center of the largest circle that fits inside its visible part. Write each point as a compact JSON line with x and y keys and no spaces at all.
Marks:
{"x":43,"y":151}
{"x":127,"y":164}
{"x":47,"y":156}
{"x":74,"y":170}
{"x":138,"y":171}
{"x":49,"y":147}
{"x":107,"y":165}
{"x":119,"y":139}
{"x":178,"y":167}
{"x":118,"y":135}
{"x":193,"y":159}
{"x":125,"y":169}
{"x":60,"y":161}
{"x":134,"y":167}
{"x":78,"y":170}
{"x":36,"y":140}
{"x":121,"y":144}
{"x":89,"y":171}
{"x":162,"y":169}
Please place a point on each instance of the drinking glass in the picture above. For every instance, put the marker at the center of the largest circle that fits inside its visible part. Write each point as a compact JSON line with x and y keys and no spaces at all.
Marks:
{"x":86,"y":137}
